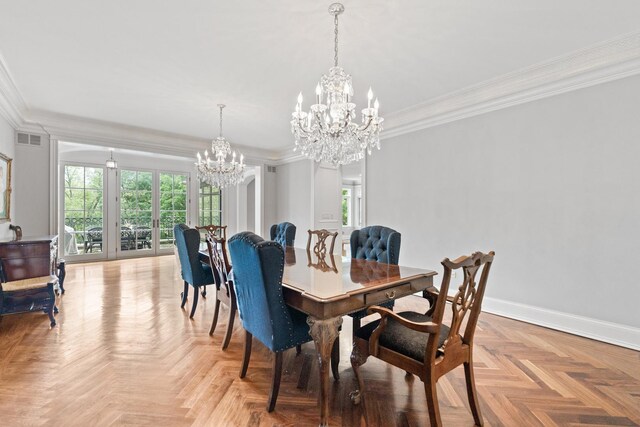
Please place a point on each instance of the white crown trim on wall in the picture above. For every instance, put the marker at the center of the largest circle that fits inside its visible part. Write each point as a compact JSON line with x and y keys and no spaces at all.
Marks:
{"x":12,"y":105}
{"x":604,"y":62}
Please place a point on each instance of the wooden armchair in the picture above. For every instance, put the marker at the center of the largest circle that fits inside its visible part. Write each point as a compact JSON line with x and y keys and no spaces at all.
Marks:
{"x":421,"y":344}
{"x":225,"y":293}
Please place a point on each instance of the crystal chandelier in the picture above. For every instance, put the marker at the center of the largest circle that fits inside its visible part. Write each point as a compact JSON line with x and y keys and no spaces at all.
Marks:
{"x":328,"y":132}
{"x":216,"y":171}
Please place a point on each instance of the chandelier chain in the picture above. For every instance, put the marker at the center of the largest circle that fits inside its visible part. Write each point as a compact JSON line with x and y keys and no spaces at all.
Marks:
{"x":335,"y":33}
{"x":221,"y":120}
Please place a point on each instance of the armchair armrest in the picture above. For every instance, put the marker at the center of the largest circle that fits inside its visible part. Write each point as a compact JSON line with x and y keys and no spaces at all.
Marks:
{"x":427,"y":327}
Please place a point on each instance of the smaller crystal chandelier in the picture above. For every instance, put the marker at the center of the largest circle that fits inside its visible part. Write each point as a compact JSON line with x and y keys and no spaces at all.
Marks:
{"x":328,"y":132}
{"x":111,"y":163}
{"x":216,"y":171}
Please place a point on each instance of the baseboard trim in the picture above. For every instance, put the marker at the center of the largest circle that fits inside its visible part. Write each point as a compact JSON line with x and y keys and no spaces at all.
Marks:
{"x":612,"y":333}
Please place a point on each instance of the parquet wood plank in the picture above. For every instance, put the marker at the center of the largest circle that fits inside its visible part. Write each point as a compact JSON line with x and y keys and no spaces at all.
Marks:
{"x":125,"y":354}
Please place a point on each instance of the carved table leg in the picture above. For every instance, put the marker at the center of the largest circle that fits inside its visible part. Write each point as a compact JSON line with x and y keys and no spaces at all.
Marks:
{"x":324,"y":332}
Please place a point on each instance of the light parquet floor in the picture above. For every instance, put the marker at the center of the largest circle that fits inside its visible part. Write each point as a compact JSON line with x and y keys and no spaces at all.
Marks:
{"x":124,"y":353}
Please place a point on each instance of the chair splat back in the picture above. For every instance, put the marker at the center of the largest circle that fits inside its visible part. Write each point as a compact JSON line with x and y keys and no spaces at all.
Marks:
{"x":467,"y":302}
{"x":218,"y":260}
{"x":320,"y":246}
{"x":216,"y":230}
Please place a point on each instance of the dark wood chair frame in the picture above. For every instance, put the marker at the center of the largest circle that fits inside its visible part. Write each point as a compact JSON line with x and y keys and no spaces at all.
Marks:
{"x":320,"y":247}
{"x":217,"y":230}
{"x":219,"y":262}
{"x":456,"y":350}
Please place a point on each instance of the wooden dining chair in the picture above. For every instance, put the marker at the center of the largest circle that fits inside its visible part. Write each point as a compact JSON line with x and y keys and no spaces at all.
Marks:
{"x":422,"y":344}
{"x":219,"y":262}
{"x":320,"y":246}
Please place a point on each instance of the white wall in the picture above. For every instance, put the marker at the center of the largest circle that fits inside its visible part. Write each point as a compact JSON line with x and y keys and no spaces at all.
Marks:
{"x":294,"y":197}
{"x":553,"y":186}
{"x":251,"y":205}
{"x":7,"y":147}
{"x":31,"y":188}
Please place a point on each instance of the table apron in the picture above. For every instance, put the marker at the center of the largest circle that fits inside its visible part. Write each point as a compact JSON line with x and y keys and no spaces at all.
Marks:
{"x":356,"y":301}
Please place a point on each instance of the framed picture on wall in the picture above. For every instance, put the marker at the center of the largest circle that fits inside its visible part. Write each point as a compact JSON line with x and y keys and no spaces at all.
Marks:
{"x":5,"y":188}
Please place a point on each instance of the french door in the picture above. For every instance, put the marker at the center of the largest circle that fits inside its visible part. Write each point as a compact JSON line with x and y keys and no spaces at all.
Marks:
{"x":149,"y":205}
{"x":83,"y":212}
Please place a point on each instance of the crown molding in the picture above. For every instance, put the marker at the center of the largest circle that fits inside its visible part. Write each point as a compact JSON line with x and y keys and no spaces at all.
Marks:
{"x":12,"y":105}
{"x":70,"y":128}
{"x":604,"y":62}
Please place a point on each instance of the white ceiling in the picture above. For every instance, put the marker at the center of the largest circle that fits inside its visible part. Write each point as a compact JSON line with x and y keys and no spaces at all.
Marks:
{"x":165,"y":65}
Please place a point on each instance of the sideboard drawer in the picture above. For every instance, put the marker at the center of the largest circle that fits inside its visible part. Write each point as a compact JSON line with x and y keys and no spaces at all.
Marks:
{"x":387,"y":294}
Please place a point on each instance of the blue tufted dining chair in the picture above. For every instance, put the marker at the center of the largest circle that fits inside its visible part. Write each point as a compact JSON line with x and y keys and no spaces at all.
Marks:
{"x":193,"y":272}
{"x":283,"y":233}
{"x":257,"y":271}
{"x":374,"y":243}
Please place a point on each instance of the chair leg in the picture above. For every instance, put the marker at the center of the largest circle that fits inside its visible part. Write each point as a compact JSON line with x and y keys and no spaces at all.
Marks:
{"x":248,"y":338}
{"x":215,"y":316}
{"x":358,"y":358}
{"x":471,"y":393}
{"x":194,"y":305}
{"x":184,"y":294}
{"x":227,"y":336}
{"x":356,"y":325}
{"x":432,"y":401}
{"x":51,"y":318}
{"x":275,"y":383}
{"x":335,"y":359}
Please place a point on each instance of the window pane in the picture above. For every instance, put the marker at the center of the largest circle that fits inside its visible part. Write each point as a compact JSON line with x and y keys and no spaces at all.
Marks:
{"x":93,"y":178}
{"x":128,"y":179}
{"x":209,"y":205}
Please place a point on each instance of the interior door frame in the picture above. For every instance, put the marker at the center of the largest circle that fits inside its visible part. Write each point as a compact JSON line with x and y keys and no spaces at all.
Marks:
{"x":103,"y":255}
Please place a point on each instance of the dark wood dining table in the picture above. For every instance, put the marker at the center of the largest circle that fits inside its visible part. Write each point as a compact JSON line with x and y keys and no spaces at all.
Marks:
{"x":327,"y":287}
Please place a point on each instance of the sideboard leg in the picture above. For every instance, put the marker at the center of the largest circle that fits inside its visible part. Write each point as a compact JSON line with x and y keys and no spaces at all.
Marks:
{"x":62,"y":272}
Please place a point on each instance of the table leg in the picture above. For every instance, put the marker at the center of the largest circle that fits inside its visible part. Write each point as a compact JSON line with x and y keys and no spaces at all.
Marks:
{"x":324,"y":332}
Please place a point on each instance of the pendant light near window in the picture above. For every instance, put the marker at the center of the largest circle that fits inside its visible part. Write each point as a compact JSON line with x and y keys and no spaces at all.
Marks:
{"x":111,"y":163}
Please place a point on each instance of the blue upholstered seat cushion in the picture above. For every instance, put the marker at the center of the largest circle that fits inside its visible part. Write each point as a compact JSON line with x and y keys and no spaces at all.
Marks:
{"x":283,"y":233}
{"x":257,"y":274}
{"x":402,"y":339}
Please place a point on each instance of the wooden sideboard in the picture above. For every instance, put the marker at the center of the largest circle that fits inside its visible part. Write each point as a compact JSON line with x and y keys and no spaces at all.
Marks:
{"x":30,"y":275}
